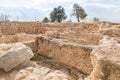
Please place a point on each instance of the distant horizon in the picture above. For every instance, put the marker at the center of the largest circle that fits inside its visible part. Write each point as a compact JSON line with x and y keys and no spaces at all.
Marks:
{"x":30,"y":10}
{"x":58,"y":22}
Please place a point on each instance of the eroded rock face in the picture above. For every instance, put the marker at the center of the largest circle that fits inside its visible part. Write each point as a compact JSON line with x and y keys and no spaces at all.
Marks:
{"x":71,"y":54}
{"x":12,"y":55}
{"x":106,"y":60}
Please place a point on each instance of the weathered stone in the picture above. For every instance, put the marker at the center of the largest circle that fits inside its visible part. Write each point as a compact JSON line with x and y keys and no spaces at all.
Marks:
{"x":30,"y":44}
{"x":56,"y":75}
{"x":41,"y":73}
{"x":106,"y":61}
{"x":12,"y":55}
{"x":73,"y":55}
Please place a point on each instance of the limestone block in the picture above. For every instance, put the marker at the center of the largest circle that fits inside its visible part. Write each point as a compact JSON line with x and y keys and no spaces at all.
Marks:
{"x":12,"y":55}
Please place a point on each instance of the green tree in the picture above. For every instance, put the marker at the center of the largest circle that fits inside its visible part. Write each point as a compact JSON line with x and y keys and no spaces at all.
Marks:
{"x":58,"y":14}
{"x":53,"y":15}
{"x":45,"y":20}
{"x":79,"y":12}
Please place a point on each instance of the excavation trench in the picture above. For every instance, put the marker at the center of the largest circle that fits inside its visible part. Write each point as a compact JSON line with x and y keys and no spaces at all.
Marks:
{"x":61,"y":54}
{"x":64,"y":48}
{"x":78,"y":49}
{"x":57,"y":53}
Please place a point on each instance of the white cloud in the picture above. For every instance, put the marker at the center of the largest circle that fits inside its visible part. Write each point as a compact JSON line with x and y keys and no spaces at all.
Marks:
{"x":43,"y":4}
{"x":102,"y":5}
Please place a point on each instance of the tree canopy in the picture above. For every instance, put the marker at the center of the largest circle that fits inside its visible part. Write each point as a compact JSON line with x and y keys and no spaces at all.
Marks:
{"x":58,"y":14}
{"x":79,"y":12}
{"x":95,"y":19}
{"x":45,"y":20}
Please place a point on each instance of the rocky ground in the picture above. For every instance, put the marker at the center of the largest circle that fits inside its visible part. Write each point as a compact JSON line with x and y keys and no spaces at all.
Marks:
{"x":33,"y":71}
{"x":54,"y":51}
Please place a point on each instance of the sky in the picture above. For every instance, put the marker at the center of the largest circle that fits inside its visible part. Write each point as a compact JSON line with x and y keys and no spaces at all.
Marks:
{"x":29,"y":10}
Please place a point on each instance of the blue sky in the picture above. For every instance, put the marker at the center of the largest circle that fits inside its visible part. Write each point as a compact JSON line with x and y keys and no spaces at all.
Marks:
{"x":29,"y":9}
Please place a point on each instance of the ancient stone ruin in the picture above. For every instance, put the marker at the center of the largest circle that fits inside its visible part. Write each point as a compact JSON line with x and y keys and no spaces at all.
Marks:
{"x":59,"y":51}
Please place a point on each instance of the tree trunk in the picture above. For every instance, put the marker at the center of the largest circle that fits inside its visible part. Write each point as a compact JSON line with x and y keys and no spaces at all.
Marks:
{"x":59,"y":20}
{"x":78,"y":19}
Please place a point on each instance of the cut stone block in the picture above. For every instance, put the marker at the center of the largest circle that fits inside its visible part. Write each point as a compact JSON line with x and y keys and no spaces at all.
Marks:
{"x":12,"y":55}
